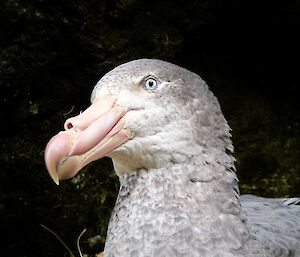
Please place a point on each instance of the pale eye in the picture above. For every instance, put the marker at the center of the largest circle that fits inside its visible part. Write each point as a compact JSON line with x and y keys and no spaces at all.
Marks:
{"x":151,"y":84}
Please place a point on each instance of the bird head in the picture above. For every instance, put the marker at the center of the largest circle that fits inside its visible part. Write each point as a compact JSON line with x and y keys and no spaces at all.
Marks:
{"x":144,"y":114}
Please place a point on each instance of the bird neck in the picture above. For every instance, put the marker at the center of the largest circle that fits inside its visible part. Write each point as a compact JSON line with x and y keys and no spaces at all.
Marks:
{"x":183,"y":205}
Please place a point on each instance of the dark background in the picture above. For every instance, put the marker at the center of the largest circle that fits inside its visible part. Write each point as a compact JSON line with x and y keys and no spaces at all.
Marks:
{"x":53,"y":52}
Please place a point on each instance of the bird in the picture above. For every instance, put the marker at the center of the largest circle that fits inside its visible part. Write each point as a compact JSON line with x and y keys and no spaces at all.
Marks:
{"x":171,"y":148}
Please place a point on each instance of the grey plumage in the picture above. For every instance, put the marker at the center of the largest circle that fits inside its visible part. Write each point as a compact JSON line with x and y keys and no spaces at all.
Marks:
{"x":179,"y":192}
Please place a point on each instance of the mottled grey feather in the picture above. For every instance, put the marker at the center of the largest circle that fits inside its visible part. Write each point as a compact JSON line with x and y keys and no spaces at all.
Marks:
{"x":179,"y":192}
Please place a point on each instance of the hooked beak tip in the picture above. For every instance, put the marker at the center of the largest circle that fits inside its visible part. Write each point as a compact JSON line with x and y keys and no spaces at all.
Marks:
{"x":54,"y":176}
{"x":56,"y":181}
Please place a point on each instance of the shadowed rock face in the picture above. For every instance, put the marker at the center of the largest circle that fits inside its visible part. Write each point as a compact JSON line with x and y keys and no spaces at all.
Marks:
{"x":179,"y":194}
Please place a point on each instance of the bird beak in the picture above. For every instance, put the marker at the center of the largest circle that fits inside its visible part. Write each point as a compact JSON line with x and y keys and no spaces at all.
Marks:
{"x":87,"y":137}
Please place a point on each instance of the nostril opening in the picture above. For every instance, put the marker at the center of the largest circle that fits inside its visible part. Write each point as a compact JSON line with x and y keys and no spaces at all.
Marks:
{"x":68,"y":125}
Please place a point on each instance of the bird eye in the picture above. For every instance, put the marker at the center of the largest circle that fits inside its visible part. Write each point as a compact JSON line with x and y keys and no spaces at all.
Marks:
{"x":151,"y":84}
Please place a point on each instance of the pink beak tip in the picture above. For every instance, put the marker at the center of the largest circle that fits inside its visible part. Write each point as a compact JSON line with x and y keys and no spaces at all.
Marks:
{"x":54,"y":176}
{"x":56,"y":182}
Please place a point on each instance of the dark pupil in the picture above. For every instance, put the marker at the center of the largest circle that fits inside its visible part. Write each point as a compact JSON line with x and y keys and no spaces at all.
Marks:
{"x":150,"y":83}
